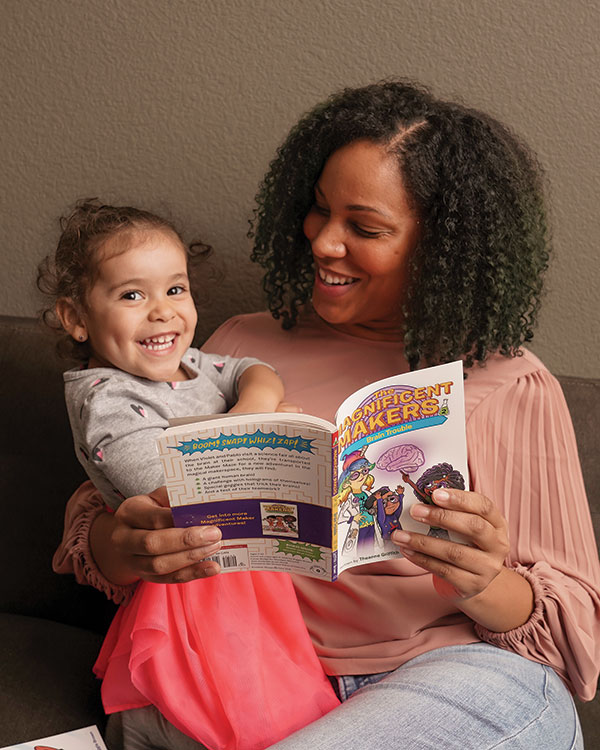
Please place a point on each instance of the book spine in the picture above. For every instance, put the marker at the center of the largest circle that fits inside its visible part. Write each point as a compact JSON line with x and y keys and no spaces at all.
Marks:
{"x":334,"y":506}
{"x":334,"y":463}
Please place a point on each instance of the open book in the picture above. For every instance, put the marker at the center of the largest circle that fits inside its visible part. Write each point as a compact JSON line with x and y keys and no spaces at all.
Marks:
{"x":298,"y":494}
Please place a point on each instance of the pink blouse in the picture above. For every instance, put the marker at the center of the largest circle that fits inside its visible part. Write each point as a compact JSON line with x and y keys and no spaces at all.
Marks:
{"x":522,"y":454}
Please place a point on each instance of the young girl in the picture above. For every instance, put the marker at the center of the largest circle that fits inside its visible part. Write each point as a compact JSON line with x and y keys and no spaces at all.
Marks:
{"x":121,"y":290}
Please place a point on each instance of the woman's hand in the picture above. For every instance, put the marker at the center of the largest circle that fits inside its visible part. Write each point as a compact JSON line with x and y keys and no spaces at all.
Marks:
{"x":139,"y":541}
{"x":460,"y":571}
{"x":473,"y":575}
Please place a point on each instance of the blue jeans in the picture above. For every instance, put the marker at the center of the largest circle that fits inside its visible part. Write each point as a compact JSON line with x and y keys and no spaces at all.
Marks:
{"x":473,"y":697}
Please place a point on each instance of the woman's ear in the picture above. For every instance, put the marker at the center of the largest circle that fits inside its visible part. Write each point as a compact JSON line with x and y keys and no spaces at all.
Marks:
{"x":71,"y":319}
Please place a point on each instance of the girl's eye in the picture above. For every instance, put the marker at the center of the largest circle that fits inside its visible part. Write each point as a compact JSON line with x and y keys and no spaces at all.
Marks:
{"x":131,"y":296}
{"x":178,"y":289}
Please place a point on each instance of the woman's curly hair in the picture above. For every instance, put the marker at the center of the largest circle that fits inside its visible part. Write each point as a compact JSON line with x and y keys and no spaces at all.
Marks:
{"x":71,"y":270}
{"x":476,"y":272}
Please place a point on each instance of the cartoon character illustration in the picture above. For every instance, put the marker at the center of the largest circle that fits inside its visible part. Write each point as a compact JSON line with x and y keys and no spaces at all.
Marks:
{"x":354,"y":480}
{"x":280,"y":525}
{"x":388,"y":505}
{"x":291,"y":523}
{"x":439,"y":475}
{"x":271,"y":522}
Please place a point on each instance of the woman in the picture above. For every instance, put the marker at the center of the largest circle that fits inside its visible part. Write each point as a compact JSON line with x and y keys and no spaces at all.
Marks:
{"x":396,"y":231}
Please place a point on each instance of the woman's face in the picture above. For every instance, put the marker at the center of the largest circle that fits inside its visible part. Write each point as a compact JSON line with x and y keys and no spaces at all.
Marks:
{"x":362,"y":230}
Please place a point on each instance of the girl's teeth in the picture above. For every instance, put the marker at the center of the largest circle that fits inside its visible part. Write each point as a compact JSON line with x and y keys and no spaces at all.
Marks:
{"x":157,"y":343}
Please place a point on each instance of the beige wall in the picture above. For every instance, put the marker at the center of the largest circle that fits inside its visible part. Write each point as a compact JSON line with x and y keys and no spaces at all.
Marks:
{"x":178,"y":105}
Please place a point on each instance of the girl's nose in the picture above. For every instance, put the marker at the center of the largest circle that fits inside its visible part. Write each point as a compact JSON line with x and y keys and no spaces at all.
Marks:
{"x":161,"y":310}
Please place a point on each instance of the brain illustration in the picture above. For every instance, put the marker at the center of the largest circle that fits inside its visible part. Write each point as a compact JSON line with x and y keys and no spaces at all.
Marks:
{"x":407,"y":458}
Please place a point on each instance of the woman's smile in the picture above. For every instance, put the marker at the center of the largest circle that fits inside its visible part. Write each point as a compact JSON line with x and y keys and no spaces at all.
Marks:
{"x":331,"y":278}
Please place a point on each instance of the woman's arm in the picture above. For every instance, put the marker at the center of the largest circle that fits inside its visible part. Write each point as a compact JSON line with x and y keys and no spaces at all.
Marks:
{"x":139,"y":541}
{"x":472,"y":576}
{"x":112,"y":551}
{"x":523,"y":455}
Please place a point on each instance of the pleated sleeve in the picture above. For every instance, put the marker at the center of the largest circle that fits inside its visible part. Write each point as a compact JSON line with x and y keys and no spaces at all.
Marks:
{"x":523,"y":455}
{"x":74,"y":554}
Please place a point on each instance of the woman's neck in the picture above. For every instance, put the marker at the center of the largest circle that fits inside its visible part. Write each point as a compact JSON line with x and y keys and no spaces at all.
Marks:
{"x":372,"y":330}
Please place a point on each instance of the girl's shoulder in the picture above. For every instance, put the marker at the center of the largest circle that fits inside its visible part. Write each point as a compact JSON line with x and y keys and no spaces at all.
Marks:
{"x":94,"y":377}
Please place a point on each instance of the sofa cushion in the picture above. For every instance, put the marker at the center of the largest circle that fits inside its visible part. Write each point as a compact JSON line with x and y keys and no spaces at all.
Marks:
{"x":47,"y":682}
{"x":38,"y":472}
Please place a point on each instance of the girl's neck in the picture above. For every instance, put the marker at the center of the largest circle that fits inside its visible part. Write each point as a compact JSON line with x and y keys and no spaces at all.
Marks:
{"x":180,"y":375}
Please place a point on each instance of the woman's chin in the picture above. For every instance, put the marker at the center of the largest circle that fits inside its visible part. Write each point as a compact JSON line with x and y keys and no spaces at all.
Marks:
{"x":330,"y":312}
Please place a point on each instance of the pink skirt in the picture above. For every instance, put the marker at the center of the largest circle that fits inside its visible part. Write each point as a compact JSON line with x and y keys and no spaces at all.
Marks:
{"x":227,"y":660}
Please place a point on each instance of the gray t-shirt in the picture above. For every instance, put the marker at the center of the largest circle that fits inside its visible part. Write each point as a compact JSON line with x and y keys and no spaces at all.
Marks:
{"x":115,"y":417}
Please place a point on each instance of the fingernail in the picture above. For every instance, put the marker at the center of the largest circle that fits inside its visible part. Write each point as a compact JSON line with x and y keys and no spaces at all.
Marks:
{"x":441,"y":496}
{"x":401,"y":537}
{"x":419,"y":511}
{"x":212,"y":534}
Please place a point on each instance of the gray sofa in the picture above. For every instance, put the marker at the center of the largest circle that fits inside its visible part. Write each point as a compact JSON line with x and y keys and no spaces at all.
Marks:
{"x":51,"y":628}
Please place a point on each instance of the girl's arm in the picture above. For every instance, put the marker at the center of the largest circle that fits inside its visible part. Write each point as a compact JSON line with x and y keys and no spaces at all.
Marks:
{"x":260,"y":389}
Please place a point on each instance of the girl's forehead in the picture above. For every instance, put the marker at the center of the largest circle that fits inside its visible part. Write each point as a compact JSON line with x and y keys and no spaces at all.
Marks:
{"x":135,"y":237}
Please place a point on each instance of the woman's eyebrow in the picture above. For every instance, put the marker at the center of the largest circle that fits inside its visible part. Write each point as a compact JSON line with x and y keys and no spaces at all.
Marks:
{"x":357,"y":206}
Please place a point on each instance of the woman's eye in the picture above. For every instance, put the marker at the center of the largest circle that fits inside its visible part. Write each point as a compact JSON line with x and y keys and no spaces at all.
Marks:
{"x":321,"y":210}
{"x":131,"y":296}
{"x":366,"y":232}
{"x":178,"y":289}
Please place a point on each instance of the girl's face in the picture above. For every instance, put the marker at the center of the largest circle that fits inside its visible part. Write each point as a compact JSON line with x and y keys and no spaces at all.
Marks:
{"x":140,"y":316}
{"x":358,"y":478}
{"x":362,"y":230}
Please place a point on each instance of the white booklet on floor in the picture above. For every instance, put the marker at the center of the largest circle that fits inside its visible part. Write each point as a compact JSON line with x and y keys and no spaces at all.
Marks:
{"x":86,"y":738}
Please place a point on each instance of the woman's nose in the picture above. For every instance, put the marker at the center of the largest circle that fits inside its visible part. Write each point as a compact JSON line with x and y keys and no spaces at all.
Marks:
{"x":329,"y":242}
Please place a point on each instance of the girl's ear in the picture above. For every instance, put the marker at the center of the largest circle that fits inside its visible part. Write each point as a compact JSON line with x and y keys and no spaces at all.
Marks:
{"x":71,"y":318}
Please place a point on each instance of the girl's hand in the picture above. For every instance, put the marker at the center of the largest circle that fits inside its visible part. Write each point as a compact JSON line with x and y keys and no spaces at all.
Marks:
{"x":286,"y":406}
{"x":459,"y":571}
{"x":139,"y":541}
{"x":260,"y":390}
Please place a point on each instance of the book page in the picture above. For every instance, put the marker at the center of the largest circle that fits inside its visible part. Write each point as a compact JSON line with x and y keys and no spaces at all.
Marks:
{"x":398,"y":440}
{"x":87,"y":738}
{"x":265,"y":482}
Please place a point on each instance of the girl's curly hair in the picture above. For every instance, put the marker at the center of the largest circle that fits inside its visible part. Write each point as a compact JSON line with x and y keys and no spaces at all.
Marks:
{"x":438,"y":471}
{"x":476,"y":272}
{"x":71,"y":270}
